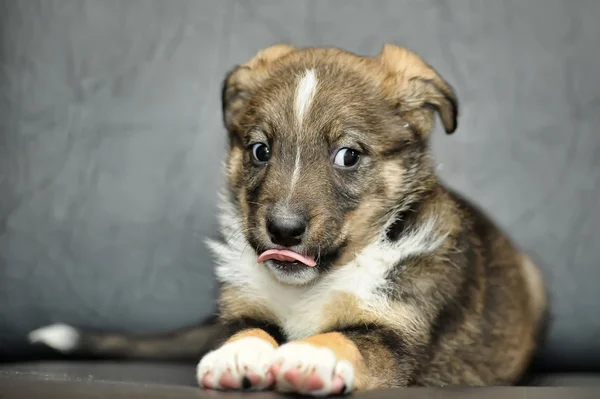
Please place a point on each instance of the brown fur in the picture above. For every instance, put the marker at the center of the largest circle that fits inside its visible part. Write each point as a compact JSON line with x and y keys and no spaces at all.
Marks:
{"x":253,"y":332}
{"x":464,"y":314}
{"x":467,"y":311}
{"x":411,"y":92}
{"x":234,"y":302}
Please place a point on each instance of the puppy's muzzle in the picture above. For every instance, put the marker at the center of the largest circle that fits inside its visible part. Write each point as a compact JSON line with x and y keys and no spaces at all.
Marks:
{"x":287,"y":227}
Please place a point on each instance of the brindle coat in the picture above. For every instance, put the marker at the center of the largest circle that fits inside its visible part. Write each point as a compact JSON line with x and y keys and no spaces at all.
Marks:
{"x":468,"y":312}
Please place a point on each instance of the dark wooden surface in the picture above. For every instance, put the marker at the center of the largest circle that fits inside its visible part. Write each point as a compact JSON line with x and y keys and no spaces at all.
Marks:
{"x":21,"y":388}
{"x":109,"y":379}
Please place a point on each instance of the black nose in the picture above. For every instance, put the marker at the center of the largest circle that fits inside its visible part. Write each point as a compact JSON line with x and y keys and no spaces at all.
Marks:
{"x":286,"y":230}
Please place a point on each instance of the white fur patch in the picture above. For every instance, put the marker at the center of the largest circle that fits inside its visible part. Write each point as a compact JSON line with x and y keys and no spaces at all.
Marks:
{"x":299,"y":308}
{"x":301,"y":277}
{"x":419,"y":240}
{"x":61,"y":337}
{"x":295,"y":173}
{"x":250,"y":353}
{"x":305,"y":92}
{"x":307,"y":359}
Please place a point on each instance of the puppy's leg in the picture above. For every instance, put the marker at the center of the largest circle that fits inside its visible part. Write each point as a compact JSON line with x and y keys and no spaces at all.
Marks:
{"x":336,"y":362}
{"x":242,"y":362}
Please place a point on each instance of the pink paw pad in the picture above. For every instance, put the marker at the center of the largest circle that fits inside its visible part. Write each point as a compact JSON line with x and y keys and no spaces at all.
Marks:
{"x":228,"y":381}
{"x":293,"y":377}
{"x":311,"y":382}
{"x":207,"y":381}
{"x":338,"y":385}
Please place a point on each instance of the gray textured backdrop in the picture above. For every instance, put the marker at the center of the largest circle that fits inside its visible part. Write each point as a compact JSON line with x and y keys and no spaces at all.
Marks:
{"x":111,"y":143}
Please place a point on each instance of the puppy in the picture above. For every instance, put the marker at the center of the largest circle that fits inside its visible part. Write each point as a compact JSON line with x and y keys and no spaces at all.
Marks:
{"x":345,"y":264}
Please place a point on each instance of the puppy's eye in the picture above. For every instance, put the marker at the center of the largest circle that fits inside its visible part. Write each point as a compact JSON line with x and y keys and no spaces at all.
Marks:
{"x":261,"y":153}
{"x":346,"y":157}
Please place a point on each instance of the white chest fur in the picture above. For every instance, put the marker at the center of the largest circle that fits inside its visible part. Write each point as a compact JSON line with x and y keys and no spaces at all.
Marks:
{"x":300,"y":308}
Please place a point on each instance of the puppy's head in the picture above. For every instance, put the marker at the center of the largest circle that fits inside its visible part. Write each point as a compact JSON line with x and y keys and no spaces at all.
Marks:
{"x":325,"y":146}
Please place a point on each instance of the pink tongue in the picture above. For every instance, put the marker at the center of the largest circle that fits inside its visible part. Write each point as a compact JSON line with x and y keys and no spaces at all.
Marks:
{"x":286,"y":255}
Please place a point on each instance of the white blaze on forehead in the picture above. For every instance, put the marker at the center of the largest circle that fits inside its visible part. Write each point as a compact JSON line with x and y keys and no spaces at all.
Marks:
{"x":305,"y":92}
{"x":296,"y":173}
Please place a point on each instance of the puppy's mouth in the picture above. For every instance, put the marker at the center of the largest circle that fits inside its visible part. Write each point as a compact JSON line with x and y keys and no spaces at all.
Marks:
{"x":291,"y":267}
{"x":287,"y":258}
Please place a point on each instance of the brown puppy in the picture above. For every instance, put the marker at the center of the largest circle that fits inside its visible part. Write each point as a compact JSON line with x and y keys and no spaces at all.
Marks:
{"x":345,"y":264}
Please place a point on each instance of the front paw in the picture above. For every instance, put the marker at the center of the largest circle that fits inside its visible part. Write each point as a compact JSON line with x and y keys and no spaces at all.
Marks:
{"x":241,"y":364}
{"x":308,"y":369}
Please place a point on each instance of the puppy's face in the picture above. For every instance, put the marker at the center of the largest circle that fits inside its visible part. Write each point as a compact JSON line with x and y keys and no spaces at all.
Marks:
{"x":325,"y":146}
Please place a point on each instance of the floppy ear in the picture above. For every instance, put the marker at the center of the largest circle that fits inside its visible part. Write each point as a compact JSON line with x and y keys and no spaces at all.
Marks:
{"x":244,"y":79}
{"x":418,"y":89}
